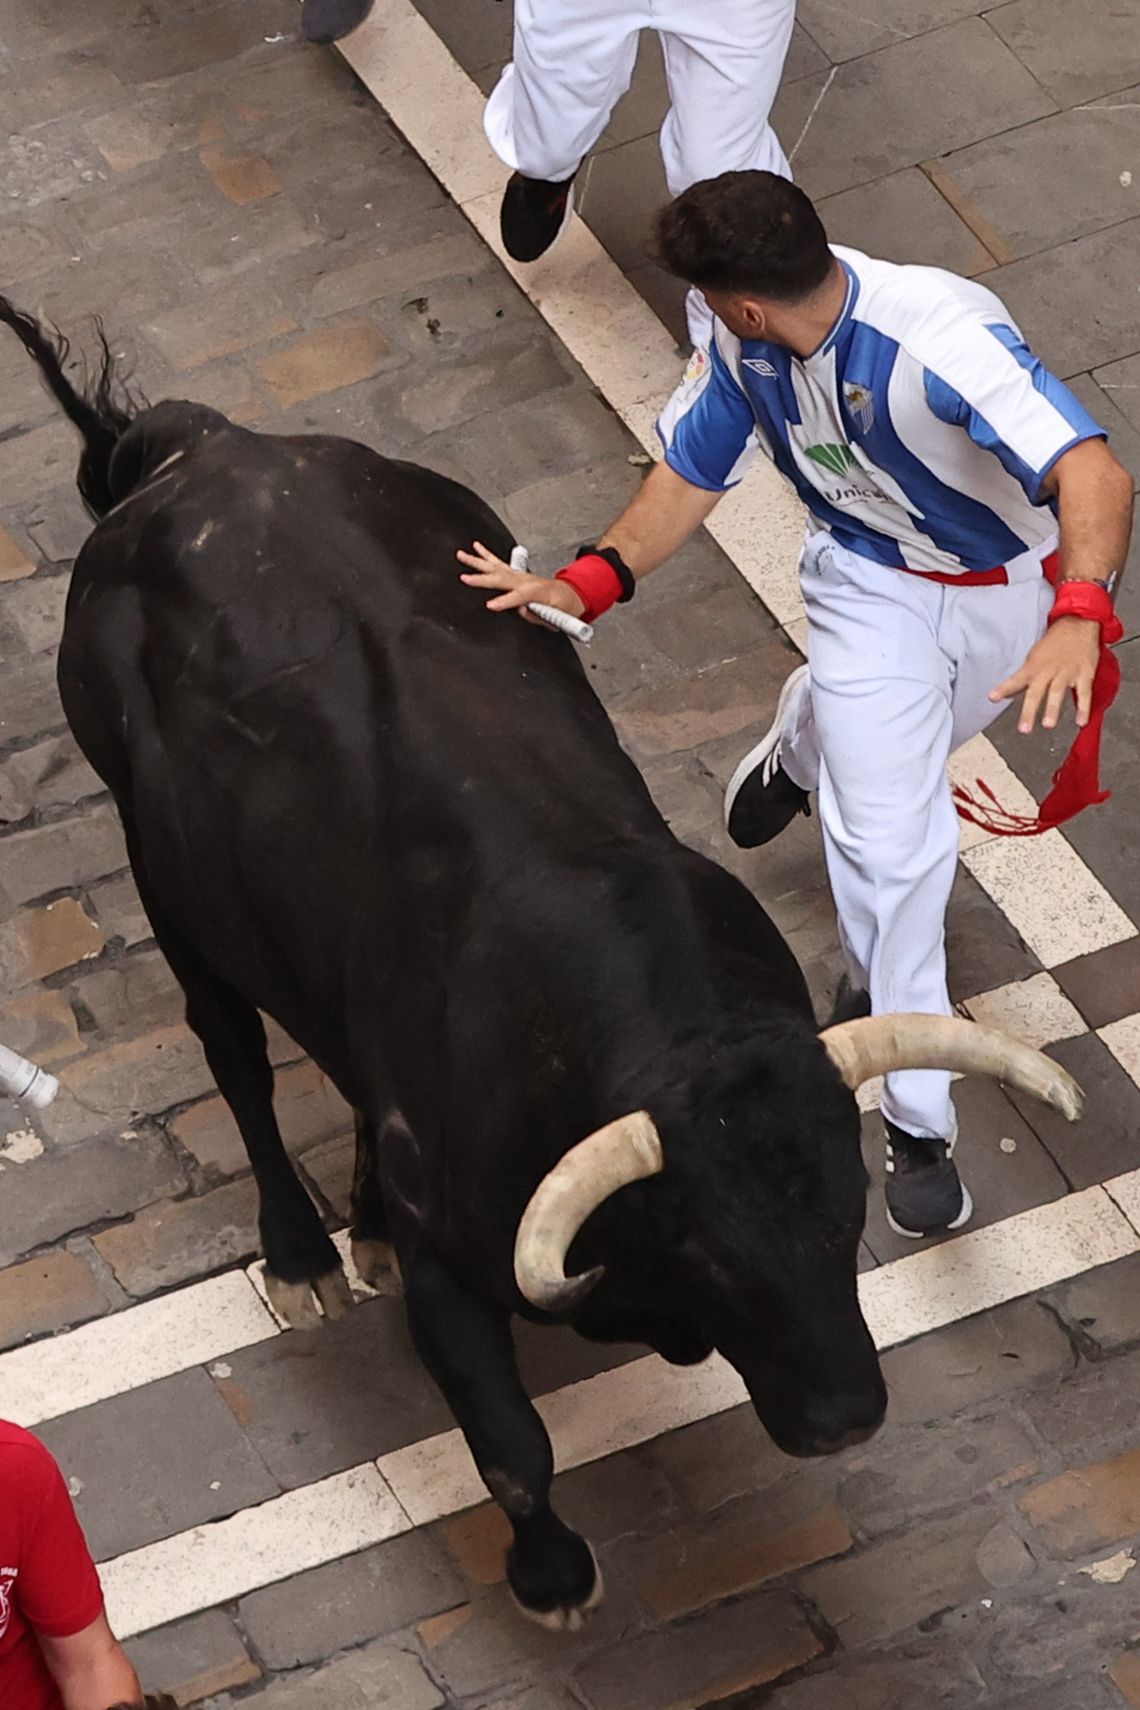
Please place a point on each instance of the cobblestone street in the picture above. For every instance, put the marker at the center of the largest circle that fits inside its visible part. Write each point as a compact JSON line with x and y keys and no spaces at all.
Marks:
{"x":287,"y":1517}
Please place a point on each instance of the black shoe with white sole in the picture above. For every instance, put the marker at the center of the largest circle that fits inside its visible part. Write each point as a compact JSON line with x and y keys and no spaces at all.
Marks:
{"x":925,"y":1194}
{"x":761,"y":800}
{"x":534,"y":215}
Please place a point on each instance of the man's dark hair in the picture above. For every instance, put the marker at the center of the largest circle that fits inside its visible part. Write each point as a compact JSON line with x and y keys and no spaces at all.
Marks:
{"x":751,"y":232}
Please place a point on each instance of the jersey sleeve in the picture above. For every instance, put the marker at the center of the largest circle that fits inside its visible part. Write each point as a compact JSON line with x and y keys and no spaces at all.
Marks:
{"x":57,"y":1586}
{"x":708,"y":427}
{"x":983,"y":377}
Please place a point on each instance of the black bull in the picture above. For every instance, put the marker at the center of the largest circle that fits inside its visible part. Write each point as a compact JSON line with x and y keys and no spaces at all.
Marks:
{"x":406,"y":831}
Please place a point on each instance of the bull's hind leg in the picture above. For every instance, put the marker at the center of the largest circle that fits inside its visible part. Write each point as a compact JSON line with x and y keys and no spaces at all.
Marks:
{"x":300,"y":1259}
{"x":372,"y":1250}
{"x":466,"y":1345}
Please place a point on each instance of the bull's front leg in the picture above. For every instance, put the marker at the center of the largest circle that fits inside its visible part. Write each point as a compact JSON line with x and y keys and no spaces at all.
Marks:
{"x":466,"y":1345}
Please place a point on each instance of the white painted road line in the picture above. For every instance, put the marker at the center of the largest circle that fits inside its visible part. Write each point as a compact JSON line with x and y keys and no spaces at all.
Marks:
{"x":128,"y":1349}
{"x":615,"y":1410}
{"x":258,"y":1546}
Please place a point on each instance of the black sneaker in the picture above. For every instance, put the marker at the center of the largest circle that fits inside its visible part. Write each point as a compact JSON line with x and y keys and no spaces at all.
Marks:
{"x":925,"y":1195}
{"x":325,"y":21}
{"x":761,"y":799}
{"x":534,"y":215}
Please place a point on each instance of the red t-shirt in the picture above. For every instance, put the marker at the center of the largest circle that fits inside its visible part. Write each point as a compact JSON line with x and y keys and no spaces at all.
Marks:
{"x":48,"y":1582}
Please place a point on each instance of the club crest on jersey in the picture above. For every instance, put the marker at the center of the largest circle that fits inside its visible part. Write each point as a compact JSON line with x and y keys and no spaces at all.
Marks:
{"x":861,"y":403}
{"x":759,"y":365}
{"x":697,"y":364}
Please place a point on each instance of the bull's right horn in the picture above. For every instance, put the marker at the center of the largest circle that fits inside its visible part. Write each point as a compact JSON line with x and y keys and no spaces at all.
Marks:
{"x":883,"y":1044}
{"x":624,"y":1151}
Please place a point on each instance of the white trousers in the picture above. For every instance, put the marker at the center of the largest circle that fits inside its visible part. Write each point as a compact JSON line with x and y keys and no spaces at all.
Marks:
{"x":899,"y":676}
{"x":573,"y":61}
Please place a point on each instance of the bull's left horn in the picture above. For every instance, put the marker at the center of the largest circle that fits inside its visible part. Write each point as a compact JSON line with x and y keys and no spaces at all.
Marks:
{"x":882,"y":1044}
{"x":624,"y":1151}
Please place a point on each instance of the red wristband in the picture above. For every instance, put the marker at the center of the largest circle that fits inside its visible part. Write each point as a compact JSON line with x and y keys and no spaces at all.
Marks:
{"x":1087,"y":600}
{"x":596,"y":581}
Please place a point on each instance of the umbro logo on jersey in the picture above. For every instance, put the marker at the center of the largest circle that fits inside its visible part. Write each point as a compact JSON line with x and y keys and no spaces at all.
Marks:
{"x":759,"y":366}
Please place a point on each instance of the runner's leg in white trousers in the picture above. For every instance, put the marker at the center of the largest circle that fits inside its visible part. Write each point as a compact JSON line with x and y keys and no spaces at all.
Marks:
{"x":723,"y":64}
{"x":573,"y":61}
{"x":900,"y":672}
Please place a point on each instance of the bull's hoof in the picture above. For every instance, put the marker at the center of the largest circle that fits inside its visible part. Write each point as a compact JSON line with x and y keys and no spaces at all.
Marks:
{"x":296,"y":1303}
{"x":377,"y":1265}
{"x":567,"y":1610}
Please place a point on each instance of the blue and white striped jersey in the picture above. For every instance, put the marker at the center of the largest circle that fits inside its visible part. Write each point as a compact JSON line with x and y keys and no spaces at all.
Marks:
{"x":919,"y":433}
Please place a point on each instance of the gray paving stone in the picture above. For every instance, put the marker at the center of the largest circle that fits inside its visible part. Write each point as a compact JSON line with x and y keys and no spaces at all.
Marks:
{"x":746,"y":1644}
{"x":537,"y":438}
{"x":1046,"y":183}
{"x":460,"y":391}
{"x":29,"y":700}
{"x":331,"y":1167}
{"x":910,"y":1472}
{"x":315,"y":1402}
{"x":927,"y":1671}
{"x":1075,"y":55}
{"x":1044,"y":1649}
{"x":726,"y":700}
{"x":556,"y":514}
{"x":1002,"y":1183}
{"x":844,"y":33}
{"x":60,"y":856}
{"x":192,"y":1659}
{"x":894,"y":1585}
{"x":903,"y":218}
{"x":156,"y":1461}
{"x":942,"y":91}
{"x":133,"y":995}
{"x":1106,"y":1141}
{"x":50,"y":774}
{"x":174,"y":1242}
{"x":1075,"y":304}
{"x":1014,"y":1349}
{"x":56,"y":1194}
{"x":1100,"y":1307}
{"x":119,"y":911}
{"x":1091,"y":1414}
{"x":612,"y":1497}
{"x":303,"y":1619}
{"x":377,"y":1677}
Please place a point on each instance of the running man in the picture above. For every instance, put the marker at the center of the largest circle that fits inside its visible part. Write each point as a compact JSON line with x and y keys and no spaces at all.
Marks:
{"x":967,"y":526}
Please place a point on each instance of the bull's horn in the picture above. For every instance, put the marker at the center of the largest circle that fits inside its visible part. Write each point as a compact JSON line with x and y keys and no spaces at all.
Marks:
{"x":624,"y":1151}
{"x":880,"y":1044}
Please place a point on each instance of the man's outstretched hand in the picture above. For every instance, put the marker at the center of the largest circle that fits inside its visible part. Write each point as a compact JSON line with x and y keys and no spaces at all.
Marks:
{"x":514,"y":590}
{"x":1065,"y":658}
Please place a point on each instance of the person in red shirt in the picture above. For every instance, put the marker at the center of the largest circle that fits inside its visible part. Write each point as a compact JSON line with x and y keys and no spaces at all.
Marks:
{"x":57,"y":1651}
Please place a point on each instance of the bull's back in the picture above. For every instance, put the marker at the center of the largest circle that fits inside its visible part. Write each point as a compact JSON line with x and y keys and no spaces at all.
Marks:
{"x":318,"y":732}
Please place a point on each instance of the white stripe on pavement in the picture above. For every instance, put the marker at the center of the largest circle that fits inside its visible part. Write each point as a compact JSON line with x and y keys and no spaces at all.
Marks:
{"x":615,"y":1410}
{"x":131,"y":1348}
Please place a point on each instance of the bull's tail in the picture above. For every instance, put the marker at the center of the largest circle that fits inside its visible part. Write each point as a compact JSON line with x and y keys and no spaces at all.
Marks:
{"x":101,"y":407}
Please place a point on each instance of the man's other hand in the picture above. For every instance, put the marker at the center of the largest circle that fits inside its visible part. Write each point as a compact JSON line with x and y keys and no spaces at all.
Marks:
{"x":1065,"y":658}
